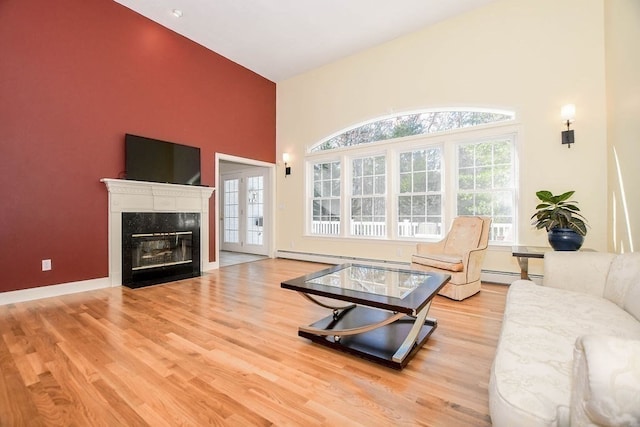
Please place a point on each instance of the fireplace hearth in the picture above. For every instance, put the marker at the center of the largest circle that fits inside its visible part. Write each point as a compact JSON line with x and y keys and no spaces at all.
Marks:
{"x":159,"y":247}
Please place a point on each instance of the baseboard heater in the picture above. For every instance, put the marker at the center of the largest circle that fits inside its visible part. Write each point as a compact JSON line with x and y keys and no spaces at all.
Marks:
{"x":491,"y":276}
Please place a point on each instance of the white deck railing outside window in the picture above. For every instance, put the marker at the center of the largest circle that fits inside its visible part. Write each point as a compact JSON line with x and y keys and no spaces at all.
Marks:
{"x":406,"y":229}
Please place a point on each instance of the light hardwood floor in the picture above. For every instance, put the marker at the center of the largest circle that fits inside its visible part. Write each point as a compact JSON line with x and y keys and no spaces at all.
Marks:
{"x":222,"y":349}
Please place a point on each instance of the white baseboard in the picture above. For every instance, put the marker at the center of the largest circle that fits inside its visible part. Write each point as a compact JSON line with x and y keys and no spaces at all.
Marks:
{"x":31,"y":294}
{"x":211,"y":266}
{"x":500,"y":277}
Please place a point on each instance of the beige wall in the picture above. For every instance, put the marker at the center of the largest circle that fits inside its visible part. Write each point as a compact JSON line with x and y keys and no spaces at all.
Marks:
{"x":528,"y":56}
{"x":622,"y":23}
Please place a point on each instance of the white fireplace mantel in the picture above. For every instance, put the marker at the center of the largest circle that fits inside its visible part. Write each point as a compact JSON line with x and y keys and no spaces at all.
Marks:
{"x":140,"y":196}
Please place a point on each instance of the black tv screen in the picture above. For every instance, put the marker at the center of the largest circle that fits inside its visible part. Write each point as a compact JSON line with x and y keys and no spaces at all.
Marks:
{"x":148,"y":159}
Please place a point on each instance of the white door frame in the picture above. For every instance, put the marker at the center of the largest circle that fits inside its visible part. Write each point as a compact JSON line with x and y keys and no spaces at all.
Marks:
{"x":271,"y":194}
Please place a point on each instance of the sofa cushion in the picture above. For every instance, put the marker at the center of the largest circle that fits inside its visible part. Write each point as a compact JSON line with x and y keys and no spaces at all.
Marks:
{"x":623,"y":283}
{"x":606,"y":382}
{"x":531,"y":374}
{"x":587,"y":272}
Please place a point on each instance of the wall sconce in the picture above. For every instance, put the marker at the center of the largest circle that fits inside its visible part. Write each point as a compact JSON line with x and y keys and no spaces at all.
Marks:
{"x":568,"y":113}
{"x":287,"y":168}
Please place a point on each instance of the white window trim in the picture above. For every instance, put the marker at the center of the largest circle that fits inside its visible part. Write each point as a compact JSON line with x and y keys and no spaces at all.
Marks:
{"x":449,"y":141}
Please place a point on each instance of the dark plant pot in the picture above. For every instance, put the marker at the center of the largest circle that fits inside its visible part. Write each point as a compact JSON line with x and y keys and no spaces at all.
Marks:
{"x":565,"y":239}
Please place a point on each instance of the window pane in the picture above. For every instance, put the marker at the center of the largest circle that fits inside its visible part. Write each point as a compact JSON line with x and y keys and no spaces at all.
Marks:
{"x":357,"y":167}
{"x":405,"y":183}
{"x":367,"y":166}
{"x":484,"y":154}
{"x":367,"y":206}
{"x":380,"y":186}
{"x":379,"y":165}
{"x":419,"y":182}
{"x":433,"y":159}
{"x":465,"y":204}
{"x":367,"y":185}
{"x":335,"y":170}
{"x":326,"y":171}
{"x":502,"y":177}
{"x":326,"y":188}
{"x":405,"y":162}
{"x":433,"y":181}
{"x":404,"y":206}
{"x":419,"y":161}
{"x":465,"y":179}
{"x":335,"y":210}
{"x":483,"y":178}
{"x":466,"y":156}
{"x":335,"y":188}
{"x":434,"y":205}
{"x":356,"y":207}
{"x":356,"y":188}
{"x":419,"y":207}
{"x":503,"y":204}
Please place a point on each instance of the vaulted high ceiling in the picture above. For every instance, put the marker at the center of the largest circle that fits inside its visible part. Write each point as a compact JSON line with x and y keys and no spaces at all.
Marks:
{"x":281,"y":38}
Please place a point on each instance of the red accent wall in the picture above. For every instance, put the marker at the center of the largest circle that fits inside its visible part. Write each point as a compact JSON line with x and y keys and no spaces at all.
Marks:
{"x":75,"y":76}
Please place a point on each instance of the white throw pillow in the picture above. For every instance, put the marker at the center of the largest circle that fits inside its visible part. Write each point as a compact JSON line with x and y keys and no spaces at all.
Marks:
{"x":606,"y":382}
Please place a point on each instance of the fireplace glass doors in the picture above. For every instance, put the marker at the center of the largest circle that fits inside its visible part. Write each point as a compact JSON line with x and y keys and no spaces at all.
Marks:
{"x":155,"y":250}
{"x":159,"y":247}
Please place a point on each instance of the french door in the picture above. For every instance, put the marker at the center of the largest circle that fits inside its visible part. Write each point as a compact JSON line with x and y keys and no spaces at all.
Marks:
{"x":243,"y":209}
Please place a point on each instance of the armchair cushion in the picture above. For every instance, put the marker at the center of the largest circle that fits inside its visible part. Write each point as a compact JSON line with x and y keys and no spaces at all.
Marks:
{"x":442,"y":261}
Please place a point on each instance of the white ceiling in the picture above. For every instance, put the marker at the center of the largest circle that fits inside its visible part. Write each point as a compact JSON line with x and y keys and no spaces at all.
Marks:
{"x":281,"y":38}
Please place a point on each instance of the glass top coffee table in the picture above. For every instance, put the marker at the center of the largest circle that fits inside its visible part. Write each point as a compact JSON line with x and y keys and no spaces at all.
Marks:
{"x":385,"y":318}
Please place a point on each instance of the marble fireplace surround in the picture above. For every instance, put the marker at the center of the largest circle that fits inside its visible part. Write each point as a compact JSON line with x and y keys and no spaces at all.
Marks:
{"x":140,"y":196}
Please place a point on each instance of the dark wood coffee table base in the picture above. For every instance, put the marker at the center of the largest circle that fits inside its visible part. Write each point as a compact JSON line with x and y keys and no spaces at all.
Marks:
{"x":378,"y":345}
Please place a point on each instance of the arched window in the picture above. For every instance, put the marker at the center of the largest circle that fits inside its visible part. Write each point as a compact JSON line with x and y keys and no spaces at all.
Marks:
{"x":409,"y":124}
{"x":457,"y":162}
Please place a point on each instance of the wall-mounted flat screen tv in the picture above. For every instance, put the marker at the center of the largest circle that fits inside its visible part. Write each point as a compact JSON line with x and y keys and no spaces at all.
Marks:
{"x":148,"y":159}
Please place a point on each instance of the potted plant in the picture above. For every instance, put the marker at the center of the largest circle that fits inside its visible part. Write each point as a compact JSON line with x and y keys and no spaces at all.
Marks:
{"x":561,"y":217}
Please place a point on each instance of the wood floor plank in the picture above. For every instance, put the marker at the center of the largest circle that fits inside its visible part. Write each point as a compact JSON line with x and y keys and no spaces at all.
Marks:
{"x":222,"y":349}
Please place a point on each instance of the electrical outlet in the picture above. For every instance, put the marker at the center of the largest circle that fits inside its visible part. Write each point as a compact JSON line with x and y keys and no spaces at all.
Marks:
{"x":46,"y":264}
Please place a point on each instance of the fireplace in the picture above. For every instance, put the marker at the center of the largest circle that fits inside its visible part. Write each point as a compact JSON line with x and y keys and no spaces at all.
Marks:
{"x":166,"y":218}
{"x":159,"y":247}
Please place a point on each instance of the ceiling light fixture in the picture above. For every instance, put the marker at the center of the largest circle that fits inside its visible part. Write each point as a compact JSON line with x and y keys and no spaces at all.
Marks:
{"x":177,"y":13}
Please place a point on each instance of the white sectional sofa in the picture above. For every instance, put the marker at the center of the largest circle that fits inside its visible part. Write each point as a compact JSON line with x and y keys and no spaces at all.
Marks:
{"x":569,"y":351}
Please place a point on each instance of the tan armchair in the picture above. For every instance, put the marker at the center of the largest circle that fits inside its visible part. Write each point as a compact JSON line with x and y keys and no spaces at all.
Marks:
{"x":459,"y":254}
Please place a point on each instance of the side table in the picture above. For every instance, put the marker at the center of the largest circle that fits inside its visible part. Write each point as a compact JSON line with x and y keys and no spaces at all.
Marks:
{"x":523,"y":253}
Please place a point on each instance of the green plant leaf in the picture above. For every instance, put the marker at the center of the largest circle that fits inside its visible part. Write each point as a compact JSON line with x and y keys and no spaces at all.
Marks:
{"x":544,"y":195}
